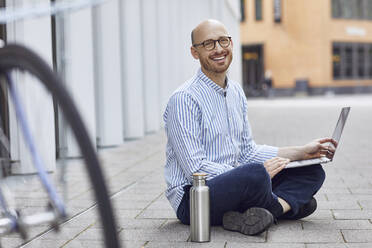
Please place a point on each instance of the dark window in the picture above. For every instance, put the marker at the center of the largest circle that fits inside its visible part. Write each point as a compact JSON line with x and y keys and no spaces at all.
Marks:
{"x":352,"y":9}
{"x":336,"y":9}
{"x":370,"y":61}
{"x":258,"y":9}
{"x":242,"y":10}
{"x":352,"y":60}
{"x":336,"y":62}
{"x":277,"y":10}
{"x":348,"y":61}
{"x":368,"y":10}
{"x":361,"y":60}
{"x":358,"y":9}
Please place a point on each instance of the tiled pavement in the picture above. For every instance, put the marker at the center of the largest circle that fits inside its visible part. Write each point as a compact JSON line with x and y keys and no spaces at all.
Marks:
{"x":145,"y":218}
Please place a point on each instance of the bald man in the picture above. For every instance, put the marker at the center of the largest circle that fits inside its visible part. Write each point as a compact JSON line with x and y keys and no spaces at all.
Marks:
{"x":207,"y":127}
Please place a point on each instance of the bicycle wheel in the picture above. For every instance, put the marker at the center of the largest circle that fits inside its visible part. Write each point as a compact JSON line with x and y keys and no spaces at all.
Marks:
{"x":22,"y":60}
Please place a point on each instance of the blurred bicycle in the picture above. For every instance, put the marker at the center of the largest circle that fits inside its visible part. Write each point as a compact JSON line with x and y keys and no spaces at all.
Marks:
{"x":64,"y":187}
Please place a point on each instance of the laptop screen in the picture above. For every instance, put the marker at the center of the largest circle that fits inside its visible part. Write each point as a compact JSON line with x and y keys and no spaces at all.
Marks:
{"x":340,"y":124}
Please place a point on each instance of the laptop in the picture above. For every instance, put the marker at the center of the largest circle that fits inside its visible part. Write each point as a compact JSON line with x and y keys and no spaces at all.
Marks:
{"x":336,"y":136}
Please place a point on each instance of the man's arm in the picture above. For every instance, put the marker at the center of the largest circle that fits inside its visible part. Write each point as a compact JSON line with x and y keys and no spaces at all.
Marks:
{"x":315,"y":149}
{"x":183,"y":118}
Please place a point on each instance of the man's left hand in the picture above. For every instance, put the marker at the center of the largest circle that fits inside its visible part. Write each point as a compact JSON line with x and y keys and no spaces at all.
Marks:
{"x":320,"y":148}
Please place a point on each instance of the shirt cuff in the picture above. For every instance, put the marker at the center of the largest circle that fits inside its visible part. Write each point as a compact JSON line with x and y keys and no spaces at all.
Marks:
{"x":265,"y":152}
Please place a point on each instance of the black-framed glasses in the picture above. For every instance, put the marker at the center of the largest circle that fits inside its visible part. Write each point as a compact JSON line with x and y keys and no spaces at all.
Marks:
{"x":209,"y":45}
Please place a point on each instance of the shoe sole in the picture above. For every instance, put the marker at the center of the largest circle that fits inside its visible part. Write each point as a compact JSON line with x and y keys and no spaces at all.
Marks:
{"x":252,"y":222}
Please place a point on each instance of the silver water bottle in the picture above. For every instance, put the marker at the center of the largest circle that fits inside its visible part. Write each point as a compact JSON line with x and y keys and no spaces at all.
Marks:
{"x":199,"y":209}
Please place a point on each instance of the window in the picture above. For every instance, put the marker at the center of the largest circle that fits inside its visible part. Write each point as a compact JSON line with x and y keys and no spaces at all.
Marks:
{"x":370,"y":61}
{"x":258,"y":10}
{"x":277,"y":10}
{"x":361,"y":60}
{"x":242,"y":10}
{"x":368,"y":9}
{"x":352,"y":60}
{"x":336,"y":62}
{"x":336,"y":9}
{"x":348,"y":61}
{"x":352,"y":9}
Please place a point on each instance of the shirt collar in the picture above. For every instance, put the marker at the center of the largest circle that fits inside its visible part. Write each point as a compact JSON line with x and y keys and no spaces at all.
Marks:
{"x":213,"y":85}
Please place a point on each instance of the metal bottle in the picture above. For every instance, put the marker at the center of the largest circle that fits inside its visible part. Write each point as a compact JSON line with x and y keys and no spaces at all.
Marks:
{"x":199,"y":209}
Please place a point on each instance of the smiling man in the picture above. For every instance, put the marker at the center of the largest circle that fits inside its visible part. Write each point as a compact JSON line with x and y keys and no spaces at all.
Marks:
{"x":207,"y":127}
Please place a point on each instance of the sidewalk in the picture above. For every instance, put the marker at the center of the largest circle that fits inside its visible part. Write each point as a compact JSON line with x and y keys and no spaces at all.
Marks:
{"x":145,"y":218}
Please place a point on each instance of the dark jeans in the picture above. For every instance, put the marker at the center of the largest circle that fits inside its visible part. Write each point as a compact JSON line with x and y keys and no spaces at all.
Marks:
{"x":250,"y":186}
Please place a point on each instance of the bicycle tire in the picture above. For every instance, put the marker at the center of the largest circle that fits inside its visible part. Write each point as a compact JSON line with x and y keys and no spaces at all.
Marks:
{"x":14,"y":57}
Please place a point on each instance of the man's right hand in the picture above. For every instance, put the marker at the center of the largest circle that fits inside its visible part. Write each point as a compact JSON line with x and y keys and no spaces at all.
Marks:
{"x":275,"y":165}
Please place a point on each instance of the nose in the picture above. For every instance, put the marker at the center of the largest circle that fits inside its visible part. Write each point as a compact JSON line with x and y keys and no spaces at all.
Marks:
{"x":218,"y":47}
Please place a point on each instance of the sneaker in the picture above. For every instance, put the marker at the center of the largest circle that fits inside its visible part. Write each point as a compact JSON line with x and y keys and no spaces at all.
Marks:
{"x":252,"y":222}
{"x":304,"y":211}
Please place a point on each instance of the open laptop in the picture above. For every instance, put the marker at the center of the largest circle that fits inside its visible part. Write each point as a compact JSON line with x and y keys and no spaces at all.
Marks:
{"x":336,"y":136}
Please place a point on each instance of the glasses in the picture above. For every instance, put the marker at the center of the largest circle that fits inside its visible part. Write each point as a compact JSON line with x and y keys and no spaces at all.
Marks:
{"x":211,"y":44}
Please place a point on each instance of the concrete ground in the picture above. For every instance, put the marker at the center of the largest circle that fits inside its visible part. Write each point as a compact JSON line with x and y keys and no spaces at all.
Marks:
{"x":145,"y":219}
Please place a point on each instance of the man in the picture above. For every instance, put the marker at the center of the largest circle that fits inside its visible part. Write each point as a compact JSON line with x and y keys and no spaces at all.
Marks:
{"x":208,"y":131}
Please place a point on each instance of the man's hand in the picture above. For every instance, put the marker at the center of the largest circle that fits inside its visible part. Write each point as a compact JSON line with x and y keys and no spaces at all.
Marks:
{"x":275,"y":165}
{"x":320,"y":148}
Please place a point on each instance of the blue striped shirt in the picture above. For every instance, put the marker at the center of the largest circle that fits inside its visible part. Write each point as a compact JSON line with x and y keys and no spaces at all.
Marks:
{"x":208,"y":131}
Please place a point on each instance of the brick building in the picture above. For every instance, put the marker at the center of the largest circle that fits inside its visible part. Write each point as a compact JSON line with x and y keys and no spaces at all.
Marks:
{"x":313,"y":46}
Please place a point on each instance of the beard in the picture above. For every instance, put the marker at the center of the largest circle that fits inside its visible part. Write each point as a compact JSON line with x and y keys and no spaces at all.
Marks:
{"x":215,"y":67}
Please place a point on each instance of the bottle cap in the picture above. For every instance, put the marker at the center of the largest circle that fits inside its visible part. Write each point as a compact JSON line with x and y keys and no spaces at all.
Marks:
{"x":199,"y":176}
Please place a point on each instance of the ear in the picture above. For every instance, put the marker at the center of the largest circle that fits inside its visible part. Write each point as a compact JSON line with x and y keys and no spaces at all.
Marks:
{"x":194,"y":52}
{"x":232,"y":43}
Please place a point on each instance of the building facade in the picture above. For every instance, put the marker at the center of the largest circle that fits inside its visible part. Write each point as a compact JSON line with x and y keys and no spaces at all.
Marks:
{"x":314,"y":47}
{"x":120,"y":60}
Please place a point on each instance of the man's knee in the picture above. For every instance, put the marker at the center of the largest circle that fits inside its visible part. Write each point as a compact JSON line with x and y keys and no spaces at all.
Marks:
{"x":256,"y":174}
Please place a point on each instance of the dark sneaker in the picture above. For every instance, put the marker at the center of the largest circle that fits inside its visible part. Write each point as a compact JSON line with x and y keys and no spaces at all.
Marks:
{"x":304,"y":211}
{"x":252,"y":222}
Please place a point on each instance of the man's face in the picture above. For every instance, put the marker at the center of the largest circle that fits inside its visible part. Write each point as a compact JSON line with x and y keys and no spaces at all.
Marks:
{"x":218,"y":59}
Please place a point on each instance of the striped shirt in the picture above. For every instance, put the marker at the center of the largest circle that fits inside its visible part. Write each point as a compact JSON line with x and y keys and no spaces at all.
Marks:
{"x":208,"y":131}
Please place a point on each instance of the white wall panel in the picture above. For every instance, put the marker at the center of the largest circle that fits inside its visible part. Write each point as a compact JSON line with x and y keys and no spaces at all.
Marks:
{"x":79,"y":71}
{"x":132,"y":71}
{"x":150,"y":39}
{"x":35,"y":34}
{"x":107,"y":71}
{"x":164,"y":53}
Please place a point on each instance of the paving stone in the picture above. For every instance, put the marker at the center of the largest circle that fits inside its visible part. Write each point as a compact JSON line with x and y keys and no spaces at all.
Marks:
{"x":124,"y":213}
{"x":126,"y":204}
{"x":357,"y":235}
{"x":359,"y":245}
{"x":130,"y":223}
{"x":175,"y":225}
{"x":336,"y":224}
{"x":305,"y":236}
{"x":100,"y":244}
{"x":160,"y":205}
{"x":366,"y":204}
{"x":320,"y":214}
{"x":343,"y":204}
{"x":327,"y":245}
{"x":352,"y":214}
{"x":212,"y":244}
{"x":158,"y":213}
{"x":220,"y":234}
{"x":343,"y":197}
{"x":288,"y":225}
{"x":153,"y":235}
{"x":264,"y":245}
{"x":136,"y":197}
